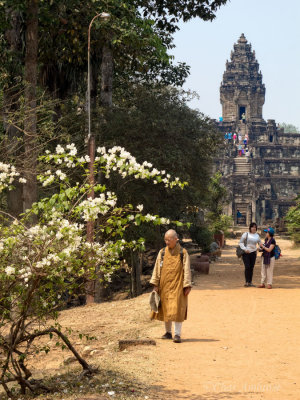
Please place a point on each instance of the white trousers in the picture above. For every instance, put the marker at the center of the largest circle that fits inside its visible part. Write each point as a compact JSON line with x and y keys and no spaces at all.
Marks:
{"x":267,"y":273}
{"x":178,"y":326}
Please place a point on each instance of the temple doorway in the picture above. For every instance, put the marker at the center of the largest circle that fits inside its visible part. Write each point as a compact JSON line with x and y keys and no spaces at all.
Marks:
{"x":242,"y":110}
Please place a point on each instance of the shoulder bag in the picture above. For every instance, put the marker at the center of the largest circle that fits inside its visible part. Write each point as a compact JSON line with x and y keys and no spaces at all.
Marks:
{"x":239,"y":251}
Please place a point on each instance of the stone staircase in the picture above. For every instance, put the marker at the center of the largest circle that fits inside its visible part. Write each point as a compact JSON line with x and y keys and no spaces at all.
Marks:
{"x":242,"y":166}
{"x":242,"y":129}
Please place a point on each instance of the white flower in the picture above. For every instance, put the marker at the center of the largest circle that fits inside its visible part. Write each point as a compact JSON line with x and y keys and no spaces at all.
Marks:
{"x":112,"y":393}
{"x":59,"y":235}
{"x":10,"y":270}
{"x":61,"y":175}
{"x":140,"y":207}
{"x":22,"y":180}
{"x":59,"y":149}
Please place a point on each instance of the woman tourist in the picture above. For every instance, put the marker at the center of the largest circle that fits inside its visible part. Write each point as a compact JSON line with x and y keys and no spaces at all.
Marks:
{"x":268,"y":259}
{"x":248,"y":243}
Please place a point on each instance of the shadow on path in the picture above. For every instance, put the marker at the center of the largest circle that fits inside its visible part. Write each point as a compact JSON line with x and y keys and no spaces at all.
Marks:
{"x":213,"y":395}
{"x":199,"y":340}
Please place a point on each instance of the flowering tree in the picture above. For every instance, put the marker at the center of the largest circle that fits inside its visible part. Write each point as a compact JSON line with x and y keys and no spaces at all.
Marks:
{"x":41,"y":264}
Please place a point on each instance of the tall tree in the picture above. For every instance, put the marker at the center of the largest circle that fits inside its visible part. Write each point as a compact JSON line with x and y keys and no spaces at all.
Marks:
{"x":169,"y":12}
{"x":11,"y":95}
{"x":30,"y":122}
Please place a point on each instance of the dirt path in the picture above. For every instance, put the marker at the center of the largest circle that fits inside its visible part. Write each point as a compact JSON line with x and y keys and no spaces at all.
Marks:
{"x":239,"y":343}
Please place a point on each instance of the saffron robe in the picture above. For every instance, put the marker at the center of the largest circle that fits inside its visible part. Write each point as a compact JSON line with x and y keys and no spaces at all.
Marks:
{"x":171,"y":279}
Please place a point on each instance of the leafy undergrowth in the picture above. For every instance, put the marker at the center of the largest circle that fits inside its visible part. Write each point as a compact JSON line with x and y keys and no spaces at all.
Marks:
{"x":122,"y":375}
{"x":107,"y":383}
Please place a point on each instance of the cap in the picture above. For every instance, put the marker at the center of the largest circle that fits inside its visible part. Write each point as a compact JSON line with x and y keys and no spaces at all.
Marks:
{"x":270,"y":230}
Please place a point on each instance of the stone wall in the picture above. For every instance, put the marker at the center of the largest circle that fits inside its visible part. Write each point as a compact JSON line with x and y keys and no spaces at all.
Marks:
{"x":276,"y":167}
{"x":277,"y":151}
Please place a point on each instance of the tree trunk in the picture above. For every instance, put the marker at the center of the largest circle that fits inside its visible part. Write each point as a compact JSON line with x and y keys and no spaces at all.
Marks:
{"x":107,"y":69}
{"x":136,"y":270}
{"x":10,"y":100}
{"x":30,"y":122}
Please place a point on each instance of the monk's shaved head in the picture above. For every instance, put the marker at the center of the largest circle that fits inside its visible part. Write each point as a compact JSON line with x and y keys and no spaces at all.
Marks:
{"x":171,"y":234}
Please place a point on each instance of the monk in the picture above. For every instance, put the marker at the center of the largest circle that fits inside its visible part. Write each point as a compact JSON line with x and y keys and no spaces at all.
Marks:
{"x":172,"y":280}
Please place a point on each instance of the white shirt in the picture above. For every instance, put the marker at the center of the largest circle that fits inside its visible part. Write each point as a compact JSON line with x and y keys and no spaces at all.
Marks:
{"x":252,"y":240}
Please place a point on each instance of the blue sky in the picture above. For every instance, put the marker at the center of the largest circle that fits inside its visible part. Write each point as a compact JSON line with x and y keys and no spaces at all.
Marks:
{"x":273,"y":29}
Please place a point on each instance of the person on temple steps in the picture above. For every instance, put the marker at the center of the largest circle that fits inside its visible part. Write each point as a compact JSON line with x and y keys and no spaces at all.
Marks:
{"x":249,"y":242}
{"x":268,"y":258}
{"x":234,"y":138}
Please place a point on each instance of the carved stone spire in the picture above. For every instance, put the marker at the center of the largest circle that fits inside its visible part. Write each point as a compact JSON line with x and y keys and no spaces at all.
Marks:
{"x":242,"y":90}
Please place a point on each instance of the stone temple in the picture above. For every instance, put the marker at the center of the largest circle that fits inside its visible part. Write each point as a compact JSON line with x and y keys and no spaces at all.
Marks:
{"x":263,"y":183}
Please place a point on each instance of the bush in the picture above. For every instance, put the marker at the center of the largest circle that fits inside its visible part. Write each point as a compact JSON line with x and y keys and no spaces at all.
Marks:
{"x":293,"y":221}
{"x":203,"y":236}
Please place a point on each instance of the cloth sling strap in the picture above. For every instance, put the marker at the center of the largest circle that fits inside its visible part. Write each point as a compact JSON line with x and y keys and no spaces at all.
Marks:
{"x":163,"y":254}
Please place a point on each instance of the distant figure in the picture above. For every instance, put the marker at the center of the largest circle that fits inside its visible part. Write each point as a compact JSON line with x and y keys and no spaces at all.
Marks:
{"x":248,"y":243}
{"x":229,"y":137}
{"x":247,"y":153}
{"x":221,"y":119}
{"x":234,"y":138}
{"x":240,"y":138}
{"x":226,"y":137}
{"x":245,"y":142}
{"x":214,"y":250}
{"x":238,"y":216}
{"x":243,"y":117}
{"x":268,"y":258}
{"x":240,"y":150}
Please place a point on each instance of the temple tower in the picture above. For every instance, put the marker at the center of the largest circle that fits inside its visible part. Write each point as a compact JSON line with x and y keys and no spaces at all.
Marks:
{"x":242,"y":90}
{"x":262,"y":183}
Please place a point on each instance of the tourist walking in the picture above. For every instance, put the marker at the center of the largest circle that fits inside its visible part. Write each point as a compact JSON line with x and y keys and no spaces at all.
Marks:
{"x":234,"y":138}
{"x":240,"y":149}
{"x":171,"y":278}
{"x":249,"y":242}
{"x":240,"y":138}
{"x":238,"y":216}
{"x":268,"y":259}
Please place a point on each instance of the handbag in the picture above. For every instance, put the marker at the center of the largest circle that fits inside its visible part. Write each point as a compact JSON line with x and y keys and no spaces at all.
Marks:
{"x":239,"y":251}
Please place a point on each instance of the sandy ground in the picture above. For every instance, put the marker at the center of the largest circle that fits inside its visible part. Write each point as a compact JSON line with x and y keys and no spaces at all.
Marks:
{"x":238,"y":343}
